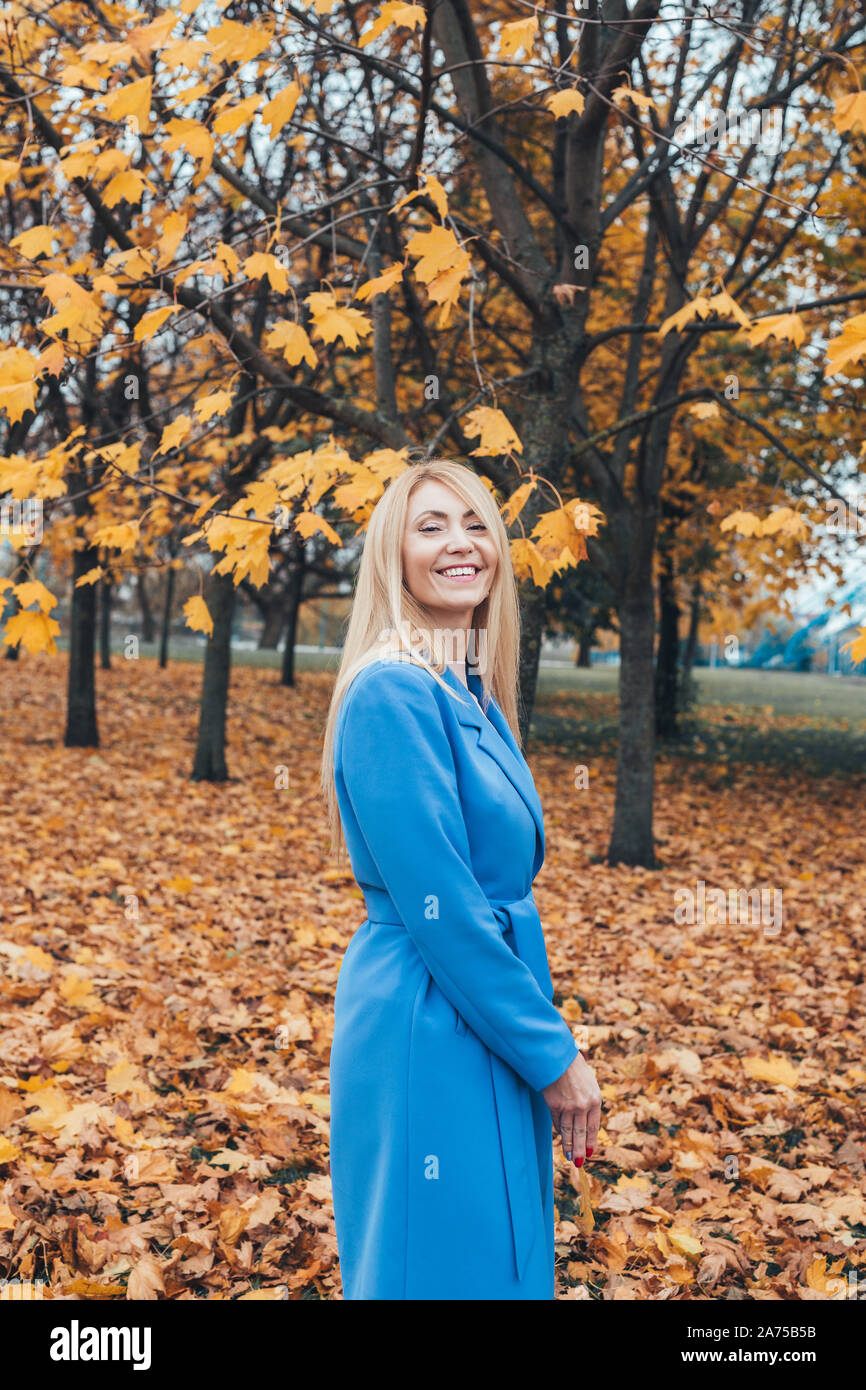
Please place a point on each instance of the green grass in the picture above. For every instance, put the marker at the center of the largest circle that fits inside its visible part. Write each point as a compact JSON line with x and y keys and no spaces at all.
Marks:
{"x":811,"y":722}
{"x":786,"y":692}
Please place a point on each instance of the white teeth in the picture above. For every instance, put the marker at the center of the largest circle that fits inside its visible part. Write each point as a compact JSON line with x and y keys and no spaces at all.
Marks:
{"x":457,"y":570}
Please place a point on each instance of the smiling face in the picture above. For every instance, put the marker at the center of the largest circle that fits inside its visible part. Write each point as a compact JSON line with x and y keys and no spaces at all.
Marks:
{"x":449,"y":555}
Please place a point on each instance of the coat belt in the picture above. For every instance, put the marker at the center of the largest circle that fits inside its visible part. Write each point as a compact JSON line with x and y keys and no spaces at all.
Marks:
{"x":519,"y":918}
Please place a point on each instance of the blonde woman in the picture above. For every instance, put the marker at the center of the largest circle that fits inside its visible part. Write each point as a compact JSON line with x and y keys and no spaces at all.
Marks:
{"x":449,"y":1058}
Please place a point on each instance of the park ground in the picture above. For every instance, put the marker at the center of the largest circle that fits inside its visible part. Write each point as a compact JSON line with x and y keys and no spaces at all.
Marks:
{"x":169,"y":952}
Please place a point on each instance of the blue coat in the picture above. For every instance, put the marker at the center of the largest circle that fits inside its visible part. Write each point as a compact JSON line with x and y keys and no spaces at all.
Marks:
{"x":445,"y":1031}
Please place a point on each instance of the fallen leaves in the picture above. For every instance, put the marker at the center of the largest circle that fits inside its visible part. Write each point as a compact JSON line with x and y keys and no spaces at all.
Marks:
{"x":168,"y":957}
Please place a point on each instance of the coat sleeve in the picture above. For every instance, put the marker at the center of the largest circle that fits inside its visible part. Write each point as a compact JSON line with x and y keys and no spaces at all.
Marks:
{"x":399,"y":773}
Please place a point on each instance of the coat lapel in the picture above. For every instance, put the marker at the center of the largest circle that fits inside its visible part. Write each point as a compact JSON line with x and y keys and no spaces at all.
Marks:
{"x":495,"y":737}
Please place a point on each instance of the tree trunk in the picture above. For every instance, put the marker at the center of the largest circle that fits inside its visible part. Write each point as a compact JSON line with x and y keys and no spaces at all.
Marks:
{"x":105,"y":624}
{"x":19,"y":574}
{"x":632,"y":837}
{"x":667,"y":660}
{"x":148,"y":627}
{"x":210,"y":759}
{"x":584,"y":649}
{"x":272,"y":627}
{"x":292,"y":609}
{"x":692,"y":638}
{"x":532,"y":613}
{"x":81,"y":729}
{"x":166,"y":618}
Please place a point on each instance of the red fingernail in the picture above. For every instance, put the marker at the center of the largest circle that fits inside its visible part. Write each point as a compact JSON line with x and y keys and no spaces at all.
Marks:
{"x":578,"y":1162}
{"x":589,"y":1153}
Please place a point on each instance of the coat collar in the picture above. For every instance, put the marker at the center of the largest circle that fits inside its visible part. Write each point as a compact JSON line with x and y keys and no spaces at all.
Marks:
{"x":495,"y":737}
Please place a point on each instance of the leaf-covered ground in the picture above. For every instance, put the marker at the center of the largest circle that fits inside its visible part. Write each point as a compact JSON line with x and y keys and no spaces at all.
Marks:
{"x":168,"y":957}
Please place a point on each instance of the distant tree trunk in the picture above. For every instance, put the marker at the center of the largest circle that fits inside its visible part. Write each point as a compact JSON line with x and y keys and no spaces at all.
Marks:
{"x":584,"y":648}
{"x":166,"y":618}
{"x":667,"y":659}
{"x":275,"y":615}
{"x":532,"y":613}
{"x":148,"y":627}
{"x":632,"y":837}
{"x":292,"y":609}
{"x":105,"y":624}
{"x":210,"y":753}
{"x":18,"y":575}
{"x":692,"y":638}
{"x":81,"y":730}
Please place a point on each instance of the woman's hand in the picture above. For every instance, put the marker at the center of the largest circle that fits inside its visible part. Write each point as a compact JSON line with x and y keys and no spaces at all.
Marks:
{"x":574,"y":1101}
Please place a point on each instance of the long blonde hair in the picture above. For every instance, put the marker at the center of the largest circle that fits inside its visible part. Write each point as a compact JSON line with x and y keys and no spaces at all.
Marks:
{"x":387,"y":619}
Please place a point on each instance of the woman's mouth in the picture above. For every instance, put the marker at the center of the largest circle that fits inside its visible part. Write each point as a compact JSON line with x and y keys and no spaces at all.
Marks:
{"x":460,"y":574}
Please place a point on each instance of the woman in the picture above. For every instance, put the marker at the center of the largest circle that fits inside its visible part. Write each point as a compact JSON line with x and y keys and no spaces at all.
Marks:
{"x":448,"y":1058}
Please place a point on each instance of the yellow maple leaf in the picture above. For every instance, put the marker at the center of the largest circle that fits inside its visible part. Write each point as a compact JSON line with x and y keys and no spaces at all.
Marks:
{"x":8,"y":170}
{"x":77,"y":990}
{"x":786,"y":327}
{"x":232,"y":42}
{"x":292,"y":339}
{"x":173,"y":433}
{"x":685,"y":1243}
{"x":433,"y":189}
{"x":91,"y":577}
{"x":126,"y":187}
{"x":279,"y":110}
{"x":34,"y":631}
{"x":778,"y":1071}
{"x":131,"y":100}
{"x":18,"y":372}
{"x":35,"y":242}
{"x":123,"y":536}
{"x":8,"y":1150}
{"x":381,"y":284}
{"x":173,"y":230}
{"x":850,"y":111}
{"x":497,"y":433}
{"x":527,"y":562}
{"x":620,"y":95}
{"x":516,"y":502}
{"x":34,"y":591}
{"x":705,"y":410}
{"x":585,"y":517}
{"x":193,"y":137}
{"x":850,"y":346}
{"x":330,"y":321}
{"x":519,"y":34}
{"x":725,"y":305}
{"x":217,"y":403}
{"x":696,"y":308}
{"x":231,"y":118}
{"x":558,"y":539}
{"x":402,"y":16}
{"x":786,"y":520}
{"x":563,"y":103}
{"x":306,"y":523}
{"x":197,"y":615}
{"x":261,"y":265}
{"x":744,"y":523}
{"x":150,"y":323}
{"x":436,"y":251}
